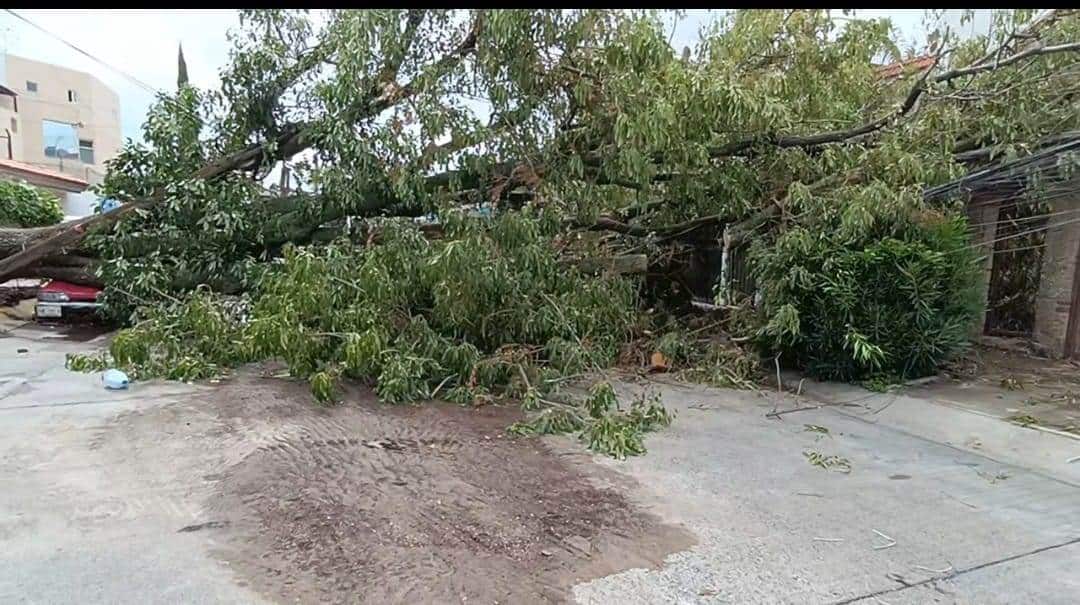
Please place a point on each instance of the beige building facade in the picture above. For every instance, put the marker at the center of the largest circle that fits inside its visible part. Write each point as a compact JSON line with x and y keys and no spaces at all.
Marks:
{"x":56,"y":118}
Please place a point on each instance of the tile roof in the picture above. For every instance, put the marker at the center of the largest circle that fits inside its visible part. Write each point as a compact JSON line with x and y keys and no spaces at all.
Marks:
{"x":893,"y":70}
{"x":29,"y":170}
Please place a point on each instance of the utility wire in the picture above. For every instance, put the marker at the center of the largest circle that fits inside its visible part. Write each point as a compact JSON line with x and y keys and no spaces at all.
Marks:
{"x":1023,"y":233}
{"x":1022,"y":200}
{"x":160,"y":94}
{"x":1024,"y":219}
{"x":989,"y":175}
{"x":1008,"y":250}
{"x":137,"y":81}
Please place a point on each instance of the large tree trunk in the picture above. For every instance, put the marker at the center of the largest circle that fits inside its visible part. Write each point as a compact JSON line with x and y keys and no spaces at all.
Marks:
{"x":83,"y":276}
{"x":14,"y":240}
{"x":72,"y":268}
{"x":293,"y":139}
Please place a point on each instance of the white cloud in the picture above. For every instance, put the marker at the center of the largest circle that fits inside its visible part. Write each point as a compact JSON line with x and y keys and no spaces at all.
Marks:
{"x":141,"y":43}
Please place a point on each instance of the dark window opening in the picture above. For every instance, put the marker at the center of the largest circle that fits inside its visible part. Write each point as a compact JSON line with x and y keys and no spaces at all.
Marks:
{"x":86,"y":151}
{"x":1017,"y":263}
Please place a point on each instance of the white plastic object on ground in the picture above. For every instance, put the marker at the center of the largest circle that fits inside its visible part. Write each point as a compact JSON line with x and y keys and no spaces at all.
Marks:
{"x":115,"y":379}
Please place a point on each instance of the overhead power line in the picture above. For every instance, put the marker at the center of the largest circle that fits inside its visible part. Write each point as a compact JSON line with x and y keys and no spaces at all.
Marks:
{"x":59,"y":38}
{"x":1038,"y":229}
{"x":143,"y":85}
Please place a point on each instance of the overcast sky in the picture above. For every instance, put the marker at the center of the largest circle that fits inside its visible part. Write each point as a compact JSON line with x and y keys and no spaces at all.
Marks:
{"x":143,"y":44}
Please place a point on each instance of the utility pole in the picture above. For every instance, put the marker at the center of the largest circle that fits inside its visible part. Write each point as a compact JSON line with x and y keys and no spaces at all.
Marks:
{"x":284,"y":179}
{"x":181,"y":68}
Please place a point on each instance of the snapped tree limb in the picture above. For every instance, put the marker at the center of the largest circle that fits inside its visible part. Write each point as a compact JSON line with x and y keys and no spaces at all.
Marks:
{"x":292,"y":140}
{"x":746,"y":146}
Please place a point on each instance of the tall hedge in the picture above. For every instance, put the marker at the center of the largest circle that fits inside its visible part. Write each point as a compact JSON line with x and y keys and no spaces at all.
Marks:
{"x":892,"y":303}
{"x":23,"y":205}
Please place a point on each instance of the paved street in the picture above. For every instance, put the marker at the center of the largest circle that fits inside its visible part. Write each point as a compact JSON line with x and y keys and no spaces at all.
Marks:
{"x":938,"y":504}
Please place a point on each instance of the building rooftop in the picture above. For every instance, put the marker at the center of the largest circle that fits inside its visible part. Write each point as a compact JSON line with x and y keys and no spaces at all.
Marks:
{"x":893,"y":70}
{"x":42,"y":176}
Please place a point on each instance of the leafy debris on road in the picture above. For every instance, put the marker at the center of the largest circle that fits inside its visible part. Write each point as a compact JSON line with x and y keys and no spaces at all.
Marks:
{"x":835,"y":463}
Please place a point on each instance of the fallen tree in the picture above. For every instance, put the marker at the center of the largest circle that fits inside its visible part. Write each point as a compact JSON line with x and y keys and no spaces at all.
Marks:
{"x":546,"y":139}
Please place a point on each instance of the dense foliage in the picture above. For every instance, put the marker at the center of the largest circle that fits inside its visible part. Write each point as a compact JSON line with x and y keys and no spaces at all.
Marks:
{"x":893,"y":302}
{"x":775,"y":127}
{"x":486,"y":311}
{"x":23,"y":205}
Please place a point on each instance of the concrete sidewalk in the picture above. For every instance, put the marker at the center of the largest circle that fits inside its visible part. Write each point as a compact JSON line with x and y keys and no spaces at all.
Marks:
{"x":976,"y":424}
{"x":992,"y":522}
{"x":939,"y":504}
{"x":73,"y":527}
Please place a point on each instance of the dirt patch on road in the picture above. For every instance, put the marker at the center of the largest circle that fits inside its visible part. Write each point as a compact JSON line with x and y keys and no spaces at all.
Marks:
{"x":421,"y":504}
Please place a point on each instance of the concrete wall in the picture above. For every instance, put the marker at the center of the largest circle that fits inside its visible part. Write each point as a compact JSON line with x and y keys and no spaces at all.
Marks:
{"x":96,"y":114}
{"x":982,"y":214}
{"x":78,"y":204}
{"x":9,"y":126}
{"x":1054,"y":301}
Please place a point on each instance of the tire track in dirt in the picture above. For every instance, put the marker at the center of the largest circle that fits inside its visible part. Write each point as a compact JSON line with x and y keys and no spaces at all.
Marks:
{"x":414,"y":504}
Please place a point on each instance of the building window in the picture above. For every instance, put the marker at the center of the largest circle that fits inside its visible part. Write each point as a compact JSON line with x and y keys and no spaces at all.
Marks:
{"x":31,"y":87}
{"x":73,"y":97}
{"x":86,"y":151}
{"x":60,"y":140}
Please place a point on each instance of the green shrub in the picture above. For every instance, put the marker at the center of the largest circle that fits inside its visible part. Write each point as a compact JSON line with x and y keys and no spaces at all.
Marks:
{"x":896,"y":301}
{"x":408,"y":315}
{"x":465,"y":317}
{"x":22,"y":205}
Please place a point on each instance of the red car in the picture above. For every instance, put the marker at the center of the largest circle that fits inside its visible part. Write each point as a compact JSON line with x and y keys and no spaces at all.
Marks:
{"x":60,"y":300}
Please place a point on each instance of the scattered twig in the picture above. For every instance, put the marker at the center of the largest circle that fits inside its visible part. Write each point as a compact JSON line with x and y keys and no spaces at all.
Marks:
{"x":441,"y":384}
{"x":562,"y":316}
{"x":779,"y":383}
{"x":524,"y":377}
{"x":131,"y":296}
{"x":346,"y":282}
{"x":163,"y":294}
{"x":948,"y":569}
{"x":812,"y":494}
{"x":884,"y":407}
{"x":827,"y":539}
{"x":959,"y":500}
{"x":779,"y":390}
{"x":704,"y":328}
{"x":1073,"y":459}
{"x":899,"y":579}
{"x":884,"y":546}
{"x":993,"y":479}
{"x":774,"y":413}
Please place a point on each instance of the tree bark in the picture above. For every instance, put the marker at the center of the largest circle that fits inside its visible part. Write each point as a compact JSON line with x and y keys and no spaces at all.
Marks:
{"x":15,"y":239}
{"x":82,"y":275}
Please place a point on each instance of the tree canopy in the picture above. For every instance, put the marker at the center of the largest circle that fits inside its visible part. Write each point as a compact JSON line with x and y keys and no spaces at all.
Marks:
{"x":539,"y":138}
